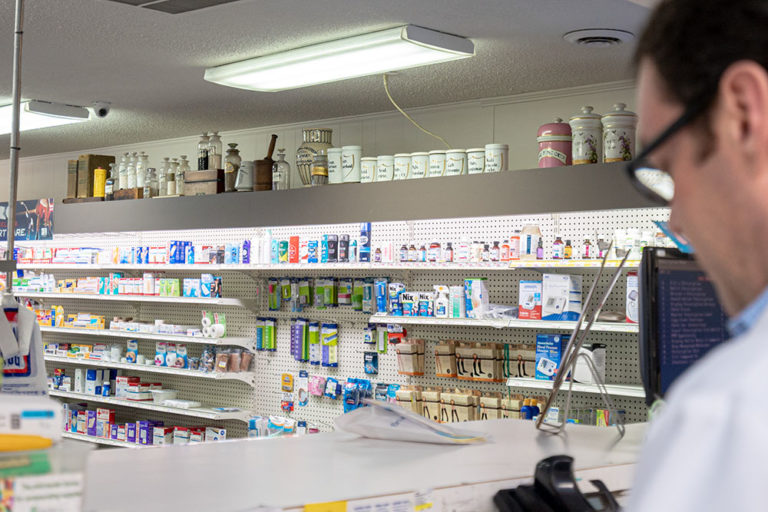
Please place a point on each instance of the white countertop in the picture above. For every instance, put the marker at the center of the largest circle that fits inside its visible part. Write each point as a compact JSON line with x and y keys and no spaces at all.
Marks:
{"x":290,"y":472}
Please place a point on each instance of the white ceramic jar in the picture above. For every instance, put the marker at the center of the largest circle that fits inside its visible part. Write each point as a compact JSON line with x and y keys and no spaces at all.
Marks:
{"x":385,"y":168}
{"x":496,"y":157}
{"x":436,"y":164}
{"x":619,"y":134}
{"x":334,"y":166}
{"x":587,"y":137}
{"x":350,"y":163}
{"x":419,"y":165}
{"x":476,"y":160}
{"x":455,"y":162}
{"x":367,"y":169}
{"x":402,"y":166}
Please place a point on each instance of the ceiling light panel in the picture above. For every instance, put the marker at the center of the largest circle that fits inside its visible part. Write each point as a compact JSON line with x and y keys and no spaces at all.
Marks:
{"x":41,"y":114}
{"x":182,"y":6}
{"x":368,"y":54}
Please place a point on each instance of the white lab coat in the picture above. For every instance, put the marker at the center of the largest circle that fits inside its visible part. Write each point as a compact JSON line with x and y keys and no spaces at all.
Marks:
{"x":708,"y":448}
{"x":24,"y":367}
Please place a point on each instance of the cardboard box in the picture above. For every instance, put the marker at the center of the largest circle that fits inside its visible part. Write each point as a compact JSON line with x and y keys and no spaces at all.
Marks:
{"x":561,"y":297}
{"x":90,"y":427}
{"x":458,"y":407}
{"x":510,"y":407}
{"x":549,"y":352}
{"x":71,"y":179}
{"x":130,"y":432}
{"x":162,"y":435}
{"x":85,"y":167}
{"x":145,"y":432}
{"x":430,"y":404}
{"x":522,"y":361}
{"x":490,"y":407}
{"x":479,"y":362}
{"x":529,"y":300}
{"x":203,"y":183}
{"x":445,"y":359}
{"x":180,"y":435}
{"x":215,"y":434}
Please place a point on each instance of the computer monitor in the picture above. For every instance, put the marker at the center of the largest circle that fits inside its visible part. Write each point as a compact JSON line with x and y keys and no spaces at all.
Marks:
{"x":680,"y":318}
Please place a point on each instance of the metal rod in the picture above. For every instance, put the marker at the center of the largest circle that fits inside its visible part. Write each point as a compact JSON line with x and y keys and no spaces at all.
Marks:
{"x":15,"y":148}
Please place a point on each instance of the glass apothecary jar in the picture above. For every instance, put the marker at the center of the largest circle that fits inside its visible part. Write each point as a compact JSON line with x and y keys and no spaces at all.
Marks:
{"x":316,"y":141}
{"x":281,"y":172}
{"x":231,"y":167}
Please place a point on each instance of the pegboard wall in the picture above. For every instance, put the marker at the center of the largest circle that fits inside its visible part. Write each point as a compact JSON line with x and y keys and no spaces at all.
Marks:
{"x":264,"y":398}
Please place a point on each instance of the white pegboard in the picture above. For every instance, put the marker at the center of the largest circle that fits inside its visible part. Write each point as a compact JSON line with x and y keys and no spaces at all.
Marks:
{"x":265,"y":397}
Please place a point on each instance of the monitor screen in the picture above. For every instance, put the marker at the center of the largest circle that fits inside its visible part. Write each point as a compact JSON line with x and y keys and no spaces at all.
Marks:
{"x":681,"y":319}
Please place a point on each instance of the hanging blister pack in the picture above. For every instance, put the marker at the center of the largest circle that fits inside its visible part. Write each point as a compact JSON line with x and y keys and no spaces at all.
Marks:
{"x":315,"y":350}
{"x":302,"y":385}
{"x":357,"y":294}
{"x":345,"y":292}
{"x":273,"y":294}
{"x":330,"y":344}
{"x":305,"y":292}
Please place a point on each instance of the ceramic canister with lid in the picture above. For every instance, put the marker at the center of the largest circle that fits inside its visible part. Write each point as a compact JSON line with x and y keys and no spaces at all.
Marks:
{"x":350,"y":163}
{"x":554,"y":144}
{"x":455,"y":162}
{"x":436,"y":164}
{"x":587,"y":132}
{"x":496,"y":157}
{"x":367,"y":169}
{"x":334,"y":166}
{"x":619,"y":134}
{"x":402,"y":166}
{"x":475,"y":160}
{"x":385,"y":168}
{"x":419,"y":164}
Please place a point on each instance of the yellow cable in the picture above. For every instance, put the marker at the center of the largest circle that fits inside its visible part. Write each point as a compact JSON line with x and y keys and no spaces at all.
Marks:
{"x":386,"y":89}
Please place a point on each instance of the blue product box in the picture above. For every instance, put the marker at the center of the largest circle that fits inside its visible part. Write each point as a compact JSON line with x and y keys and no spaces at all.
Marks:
{"x":312,"y":251}
{"x":113,"y":432}
{"x":90,"y":425}
{"x":189,"y":253}
{"x":365,"y":242}
{"x":549,"y":351}
{"x":130,"y":432}
{"x":192,"y":287}
{"x":145,"y":430}
{"x":103,"y":285}
{"x":324,"y":249}
{"x":245,"y":252}
{"x":206,"y":284}
{"x":561,"y":297}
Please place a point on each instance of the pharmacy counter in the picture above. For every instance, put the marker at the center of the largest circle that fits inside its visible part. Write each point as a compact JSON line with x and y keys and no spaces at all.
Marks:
{"x":286,"y":473}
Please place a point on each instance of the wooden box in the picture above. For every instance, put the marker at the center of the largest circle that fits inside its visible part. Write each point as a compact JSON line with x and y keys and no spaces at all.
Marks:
{"x":71,"y":179}
{"x":203,"y":183}
{"x":85,"y":167}
{"x":129,"y":193}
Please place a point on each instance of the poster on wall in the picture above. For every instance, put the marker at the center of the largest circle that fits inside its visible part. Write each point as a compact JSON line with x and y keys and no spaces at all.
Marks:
{"x":34,"y":220}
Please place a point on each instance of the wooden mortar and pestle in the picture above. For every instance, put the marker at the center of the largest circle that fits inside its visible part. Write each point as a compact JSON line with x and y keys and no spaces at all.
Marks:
{"x":263,"y":168}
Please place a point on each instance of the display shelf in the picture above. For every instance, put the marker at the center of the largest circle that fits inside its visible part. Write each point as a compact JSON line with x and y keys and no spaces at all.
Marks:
{"x":248,"y":343}
{"x":613,"y":389}
{"x":299,"y":267}
{"x":529,"y":192}
{"x":137,"y":298}
{"x":247,"y":377}
{"x":206,"y":413}
{"x":501,"y":323}
{"x":101,"y":440}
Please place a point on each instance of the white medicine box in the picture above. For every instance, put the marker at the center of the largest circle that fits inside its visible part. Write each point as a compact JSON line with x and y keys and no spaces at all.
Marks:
{"x":561,"y":297}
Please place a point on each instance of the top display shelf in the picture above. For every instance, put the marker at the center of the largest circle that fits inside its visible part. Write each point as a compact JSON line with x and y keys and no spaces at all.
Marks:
{"x":532,"y":191}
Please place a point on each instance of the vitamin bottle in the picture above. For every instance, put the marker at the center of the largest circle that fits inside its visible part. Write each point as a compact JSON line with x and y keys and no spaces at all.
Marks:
{"x":568,"y":251}
{"x":404,"y":253}
{"x":413,"y":254}
{"x":448,"y":253}
{"x":504,"y":253}
{"x":587,"y":255}
{"x":540,"y":251}
{"x":495,"y":250}
{"x":514,"y":246}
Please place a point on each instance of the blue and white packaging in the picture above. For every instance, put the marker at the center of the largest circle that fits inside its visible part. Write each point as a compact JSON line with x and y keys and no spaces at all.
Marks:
{"x":380,"y":291}
{"x":549,"y":353}
{"x":561,"y":297}
{"x":90,"y":381}
{"x":274,"y":252}
{"x":395,"y":305}
{"x":365,"y":242}
{"x":312,"y":251}
{"x":206,"y":284}
{"x":192,"y":287}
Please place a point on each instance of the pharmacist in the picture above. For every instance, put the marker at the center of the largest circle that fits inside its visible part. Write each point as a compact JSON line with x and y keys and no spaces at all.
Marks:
{"x":703,"y":104}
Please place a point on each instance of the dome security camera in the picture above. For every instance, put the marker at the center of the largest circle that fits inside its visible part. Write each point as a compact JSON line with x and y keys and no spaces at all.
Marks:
{"x":101,"y":108}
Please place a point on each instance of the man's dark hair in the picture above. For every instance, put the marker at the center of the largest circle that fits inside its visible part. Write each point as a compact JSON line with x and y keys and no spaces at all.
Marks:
{"x":692,"y":42}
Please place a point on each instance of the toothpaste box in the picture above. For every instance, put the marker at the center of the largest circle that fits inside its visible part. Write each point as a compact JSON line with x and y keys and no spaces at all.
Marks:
{"x":561,"y":297}
{"x":529,"y":300}
{"x":162,"y":435}
{"x":549,"y":351}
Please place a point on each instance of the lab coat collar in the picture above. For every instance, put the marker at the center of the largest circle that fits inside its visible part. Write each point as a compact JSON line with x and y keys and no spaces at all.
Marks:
{"x":10,"y":344}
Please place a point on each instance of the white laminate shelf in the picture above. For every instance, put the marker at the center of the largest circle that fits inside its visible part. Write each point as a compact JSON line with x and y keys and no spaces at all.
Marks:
{"x":626,"y":390}
{"x":247,"y":377}
{"x":201,"y":412}
{"x":501,"y":323}
{"x":248,"y":343}
{"x":136,"y":298}
{"x":102,"y":441}
{"x":517,"y":264}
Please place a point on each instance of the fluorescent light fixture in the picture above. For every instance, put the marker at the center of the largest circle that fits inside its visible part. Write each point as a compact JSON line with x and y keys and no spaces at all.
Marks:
{"x":403,"y":47}
{"x":36,"y":114}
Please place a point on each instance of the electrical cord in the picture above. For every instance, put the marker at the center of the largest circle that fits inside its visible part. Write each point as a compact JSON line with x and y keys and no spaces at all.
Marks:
{"x":386,"y":89}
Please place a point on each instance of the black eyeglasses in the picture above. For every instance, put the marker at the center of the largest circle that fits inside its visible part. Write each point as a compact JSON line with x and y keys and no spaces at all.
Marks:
{"x":657,"y":184}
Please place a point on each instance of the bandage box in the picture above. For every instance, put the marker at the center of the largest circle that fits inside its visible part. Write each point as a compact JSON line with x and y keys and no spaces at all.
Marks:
{"x":162,"y":435}
{"x":90,"y":382}
{"x":90,"y":427}
{"x":82,"y":421}
{"x":633,"y":297}
{"x":215,"y":434}
{"x":121,"y":429}
{"x":206,"y":283}
{"x":191,"y":287}
{"x":180,"y":435}
{"x":529,"y":300}
{"x":121,"y":385}
{"x":79,"y":381}
{"x":561,"y":297}
{"x":196,"y":435}
{"x":145,"y":431}
{"x":549,"y":351}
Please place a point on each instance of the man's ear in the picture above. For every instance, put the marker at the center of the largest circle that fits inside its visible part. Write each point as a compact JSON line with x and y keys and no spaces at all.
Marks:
{"x":743,"y":107}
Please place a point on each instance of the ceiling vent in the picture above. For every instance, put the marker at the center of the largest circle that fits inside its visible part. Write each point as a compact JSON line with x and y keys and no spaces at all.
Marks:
{"x":174,"y":6}
{"x":599,"y":37}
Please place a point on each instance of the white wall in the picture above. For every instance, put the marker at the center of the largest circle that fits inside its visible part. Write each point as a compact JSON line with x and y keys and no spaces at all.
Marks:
{"x":512,"y":120}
